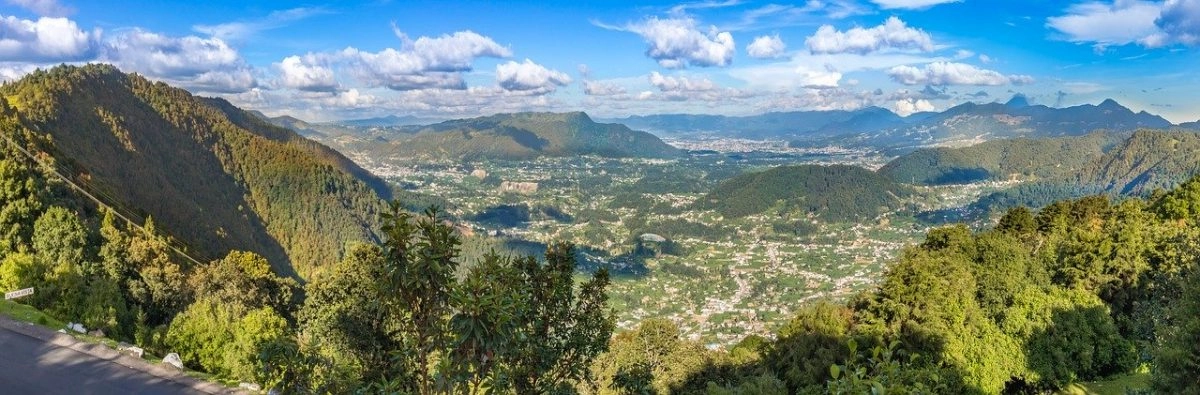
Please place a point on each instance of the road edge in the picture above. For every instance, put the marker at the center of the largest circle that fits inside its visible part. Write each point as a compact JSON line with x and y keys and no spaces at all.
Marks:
{"x":104,"y":352}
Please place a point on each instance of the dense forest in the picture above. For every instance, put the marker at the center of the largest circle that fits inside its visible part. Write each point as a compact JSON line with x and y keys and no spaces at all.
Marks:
{"x":210,"y":174}
{"x":836,"y":193}
{"x":1145,"y":161}
{"x":999,"y":160}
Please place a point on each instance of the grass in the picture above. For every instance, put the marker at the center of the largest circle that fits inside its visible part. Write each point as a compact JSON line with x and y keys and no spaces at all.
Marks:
{"x":1113,"y":386}
{"x":29,"y":314}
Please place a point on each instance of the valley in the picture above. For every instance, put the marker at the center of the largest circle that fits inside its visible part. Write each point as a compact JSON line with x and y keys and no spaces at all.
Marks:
{"x":721,"y":278}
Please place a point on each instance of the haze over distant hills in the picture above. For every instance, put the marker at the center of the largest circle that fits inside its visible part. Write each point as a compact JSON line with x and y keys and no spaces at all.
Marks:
{"x":875,"y":127}
{"x":502,"y":136}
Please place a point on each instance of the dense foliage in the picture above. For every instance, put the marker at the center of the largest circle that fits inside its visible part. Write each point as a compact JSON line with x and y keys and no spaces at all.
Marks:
{"x":999,"y":160}
{"x":836,"y":193}
{"x":210,"y":174}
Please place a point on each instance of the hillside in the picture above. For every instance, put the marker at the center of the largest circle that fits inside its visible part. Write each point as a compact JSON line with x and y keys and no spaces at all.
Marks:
{"x":1000,"y":159}
{"x":524,"y":136}
{"x":769,"y":125}
{"x":1147,"y":160}
{"x":834,"y":193}
{"x":213,"y":176}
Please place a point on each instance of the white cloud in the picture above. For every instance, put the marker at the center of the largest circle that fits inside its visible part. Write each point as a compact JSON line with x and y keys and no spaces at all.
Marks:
{"x":1118,"y":23}
{"x":45,"y":40}
{"x":529,"y":76}
{"x":43,"y":7}
{"x":985,"y":59}
{"x":1180,"y":21}
{"x":963,"y":54}
{"x":765,"y":47}
{"x":601,"y":88}
{"x":308,"y":73}
{"x":910,"y":4}
{"x":424,"y":63}
{"x":233,"y":31}
{"x":15,"y":71}
{"x":893,"y":34}
{"x":677,"y":43}
{"x":205,"y":64}
{"x":908,"y":107}
{"x":948,"y":73}
{"x":680,"y":84}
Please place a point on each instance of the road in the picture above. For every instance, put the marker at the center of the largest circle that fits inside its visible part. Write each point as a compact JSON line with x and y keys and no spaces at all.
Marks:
{"x":29,"y":365}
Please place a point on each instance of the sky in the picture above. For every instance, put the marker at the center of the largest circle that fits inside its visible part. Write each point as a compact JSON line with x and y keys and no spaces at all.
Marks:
{"x":454,"y":59}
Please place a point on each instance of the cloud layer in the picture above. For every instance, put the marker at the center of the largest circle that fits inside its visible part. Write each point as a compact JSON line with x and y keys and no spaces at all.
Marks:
{"x":949,"y":73}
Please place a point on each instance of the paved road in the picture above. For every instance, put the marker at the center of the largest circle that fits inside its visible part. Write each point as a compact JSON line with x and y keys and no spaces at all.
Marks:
{"x":29,"y":365}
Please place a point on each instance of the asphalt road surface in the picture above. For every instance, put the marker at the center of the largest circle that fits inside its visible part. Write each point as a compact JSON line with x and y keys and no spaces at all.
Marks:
{"x":32,"y":366}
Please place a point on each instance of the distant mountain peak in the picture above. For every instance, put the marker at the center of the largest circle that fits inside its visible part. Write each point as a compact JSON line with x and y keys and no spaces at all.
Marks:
{"x":1110,"y":103}
{"x":1018,"y":100}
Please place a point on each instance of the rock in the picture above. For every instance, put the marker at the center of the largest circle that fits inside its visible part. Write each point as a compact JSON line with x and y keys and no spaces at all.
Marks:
{"x":134,"y":351}
{"x":62,"y":331}
{"x":96,"y":333}
{"x":479,"y":173}
{"x":250,"y":387}
{"x":76,"y":327}
{"x":173,"y":360}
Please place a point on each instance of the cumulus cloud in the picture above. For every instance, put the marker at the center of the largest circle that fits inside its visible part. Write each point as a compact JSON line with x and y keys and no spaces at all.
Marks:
{"x":1180,"y":22}
{"x":908,"y":107}
{"x":205,"y":64}
{"x":45,"y":40}
{"x":893,"y":34}
{"x":600,"y":88}
{"x":677,"y":43}
{"x":765,"y":47}
{"x":680,"y":84}
{"x":43,"y":7}
{"x":1117,"y":23}
{"x":424,"y":63}
{"x":308,"y":73}
{"x":910,"y":4}
{"x":949,"y":73}
{"x":529,"y":76}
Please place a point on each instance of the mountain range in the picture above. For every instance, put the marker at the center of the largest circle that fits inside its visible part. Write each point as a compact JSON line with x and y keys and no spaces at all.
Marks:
{"x":516,"y":136}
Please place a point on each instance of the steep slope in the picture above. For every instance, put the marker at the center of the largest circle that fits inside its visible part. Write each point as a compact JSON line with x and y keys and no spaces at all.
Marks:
{"x":213,"y":176}
{"x":525,"y":136}
{"x":1000,"y":159}
{"x":1147,"y":160}
{"x":834,"y":193}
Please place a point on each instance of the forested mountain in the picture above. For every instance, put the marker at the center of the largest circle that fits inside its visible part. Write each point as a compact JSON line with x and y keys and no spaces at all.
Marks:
{"x":213,"y":176}
{"x":1147,"y":160}
{"x":835,"y":193}
{"x":971,"y":123}
{"x":521,"y":136}
{"x":1001,"y":159}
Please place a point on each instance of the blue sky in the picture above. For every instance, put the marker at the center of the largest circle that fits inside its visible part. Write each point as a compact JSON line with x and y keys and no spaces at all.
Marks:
{"x":448,"y":59}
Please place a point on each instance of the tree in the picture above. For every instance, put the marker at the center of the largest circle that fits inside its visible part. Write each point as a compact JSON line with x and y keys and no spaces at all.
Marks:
{"x":809,"y":343}
{"x":245,"y":279}
{"x":1177,"y":355}
{"x":562,"y":329}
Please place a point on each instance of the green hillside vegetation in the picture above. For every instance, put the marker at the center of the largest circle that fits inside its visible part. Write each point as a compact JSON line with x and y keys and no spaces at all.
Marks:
{"x":1146,"y":161}
{"x":211,"y":175}
{"x":525,"y":136}
{"x":1001,"y":160}
{"x":1084,"y":290}
{"x":835,"y":193}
